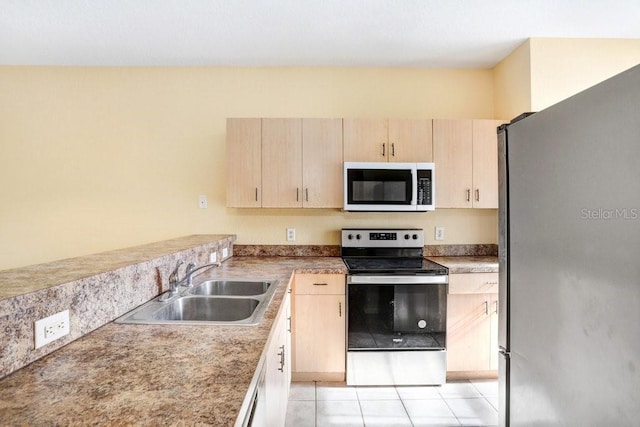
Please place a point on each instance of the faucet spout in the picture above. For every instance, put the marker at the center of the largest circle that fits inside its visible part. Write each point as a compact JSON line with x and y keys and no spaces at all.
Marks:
{"x":192,"y":269}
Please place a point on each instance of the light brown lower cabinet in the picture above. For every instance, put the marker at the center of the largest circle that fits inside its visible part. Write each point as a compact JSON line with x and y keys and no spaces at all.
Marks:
{"x":472,"y":326}
{"x":319,"y":327}
{"x":277,"y":377}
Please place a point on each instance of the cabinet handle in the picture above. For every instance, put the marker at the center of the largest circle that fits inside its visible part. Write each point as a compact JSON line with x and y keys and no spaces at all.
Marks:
{"x":496,"y":307}
{"x":281,"y":354}
{"x":486,"y":307}
{"x":477,"y":195}
{"x":256,"y":194}
{"x":306,"y":194}
{"x":468,"y":195}
{"x":340,"y":308}
{"x":490,"y":283}
{"x":297,"y":194}
{"x":320,"y":284}
{"x":393,"y":150}
{"x":384,"y":152}
{"x":289,"y":319}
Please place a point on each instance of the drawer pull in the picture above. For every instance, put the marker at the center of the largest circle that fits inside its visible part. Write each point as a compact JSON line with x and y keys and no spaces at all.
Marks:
{"x":490,"y":283}
{"x":340,"y":309}
{"x":320,"y":284}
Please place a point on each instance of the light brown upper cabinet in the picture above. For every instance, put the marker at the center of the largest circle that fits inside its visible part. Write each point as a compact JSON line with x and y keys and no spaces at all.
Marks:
{"x":485,"y":163}
{"x":244,"y":163}
{"x":281,"y":163}
{"x":466,"y":158}
{"x":322,"y":163}
{"x":284,"y":163}
{"x":392,"y":140}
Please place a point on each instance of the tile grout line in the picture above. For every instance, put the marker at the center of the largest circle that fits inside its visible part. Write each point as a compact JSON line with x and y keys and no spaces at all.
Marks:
{"x":483,"y":396}
{"x":405,"y":408}
{"x":315,"y":404}
{"x":360,"y":406}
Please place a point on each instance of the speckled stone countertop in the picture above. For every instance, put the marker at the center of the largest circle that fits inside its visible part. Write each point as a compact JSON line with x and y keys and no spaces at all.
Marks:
{"x":468,"y":264}
{"x":23,"y":280}
{"x":154,"y":375}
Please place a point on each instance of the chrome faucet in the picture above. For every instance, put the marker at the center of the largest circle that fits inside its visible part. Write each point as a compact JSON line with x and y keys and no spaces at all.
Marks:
{"x":174,"y":282}
{"x":191,"y":271}
{"x":187,"y":280}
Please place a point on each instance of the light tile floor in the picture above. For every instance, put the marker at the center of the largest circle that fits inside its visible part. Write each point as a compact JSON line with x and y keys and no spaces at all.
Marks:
{"x":466,"y":403}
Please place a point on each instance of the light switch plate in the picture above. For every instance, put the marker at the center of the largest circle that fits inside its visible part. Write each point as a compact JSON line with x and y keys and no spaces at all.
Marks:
{"x":439,"y":233}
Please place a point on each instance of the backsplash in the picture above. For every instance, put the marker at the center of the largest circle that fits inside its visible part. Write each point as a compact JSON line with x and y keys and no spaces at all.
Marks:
{"x":334,"y":250}
{"x":96,"y":289}
{"x":461,"y":250}
{"x":287,"y":250}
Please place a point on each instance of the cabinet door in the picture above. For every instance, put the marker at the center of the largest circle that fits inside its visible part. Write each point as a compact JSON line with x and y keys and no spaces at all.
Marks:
{"x":320,"y":334}
{"x":243,"y":156}
{"x":410,"y":140}
{"x":322,"y":163}
{"x":468,"y":332}
{"x":281,"y":163}
{"x":274,"y":383}
{"x":365,"y":140}
{"x":485,"y":163}
{"x":276,"y":377}
{"x":452,"y":154}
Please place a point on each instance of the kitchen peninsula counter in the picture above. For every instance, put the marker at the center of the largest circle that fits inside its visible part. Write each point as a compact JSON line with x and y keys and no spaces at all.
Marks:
{"x":124,"y":374}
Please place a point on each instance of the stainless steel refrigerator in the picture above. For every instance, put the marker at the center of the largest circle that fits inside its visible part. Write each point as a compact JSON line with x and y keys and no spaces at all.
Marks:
{"x":569,"y":253}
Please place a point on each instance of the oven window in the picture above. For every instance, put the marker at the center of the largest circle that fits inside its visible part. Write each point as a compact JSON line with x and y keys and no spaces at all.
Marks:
{"x":370,"y":186}
{"x":401,"y":317}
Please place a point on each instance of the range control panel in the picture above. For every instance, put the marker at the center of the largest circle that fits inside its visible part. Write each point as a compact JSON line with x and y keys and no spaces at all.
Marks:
{"x":381,"y":238}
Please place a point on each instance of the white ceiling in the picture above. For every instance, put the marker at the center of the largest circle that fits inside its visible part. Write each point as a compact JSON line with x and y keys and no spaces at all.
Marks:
{"x":385,"y":33}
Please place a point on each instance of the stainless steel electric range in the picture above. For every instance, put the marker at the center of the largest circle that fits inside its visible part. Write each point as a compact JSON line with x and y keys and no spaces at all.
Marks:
{"x":396,"y":309}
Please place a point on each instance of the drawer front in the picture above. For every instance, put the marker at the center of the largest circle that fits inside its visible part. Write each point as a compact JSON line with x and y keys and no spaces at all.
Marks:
{"x":473,"y":283}
{"x":319,"y":284}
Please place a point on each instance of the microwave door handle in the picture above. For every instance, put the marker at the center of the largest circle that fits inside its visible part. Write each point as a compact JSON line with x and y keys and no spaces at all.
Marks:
{"x":414,"y":186}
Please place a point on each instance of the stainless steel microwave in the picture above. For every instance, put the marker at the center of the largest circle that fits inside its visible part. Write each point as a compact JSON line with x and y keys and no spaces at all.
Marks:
{"x":389,"y":187}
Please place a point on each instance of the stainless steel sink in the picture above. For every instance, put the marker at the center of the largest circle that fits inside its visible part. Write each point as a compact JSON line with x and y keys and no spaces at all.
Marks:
{"x":212,"y":302}
{"x":231,"y":287}
{"x":208,"y":309}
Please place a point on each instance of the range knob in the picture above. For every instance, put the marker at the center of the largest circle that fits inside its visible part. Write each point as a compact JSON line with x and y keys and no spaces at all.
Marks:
{"x":350,"y":237}
{"x":415,"y":237}
{"x":358,"y":236}
{"x":406,"y":237}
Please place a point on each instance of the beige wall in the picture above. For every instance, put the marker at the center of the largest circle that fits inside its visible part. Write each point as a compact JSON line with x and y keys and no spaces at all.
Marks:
{"x":94,"y":159}
{"x":512,"y":83}
{"x":544,"y":71}
{"x":563,"y":67}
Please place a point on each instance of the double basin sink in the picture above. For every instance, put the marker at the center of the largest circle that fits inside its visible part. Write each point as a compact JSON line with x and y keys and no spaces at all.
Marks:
{"x":212,"y":302}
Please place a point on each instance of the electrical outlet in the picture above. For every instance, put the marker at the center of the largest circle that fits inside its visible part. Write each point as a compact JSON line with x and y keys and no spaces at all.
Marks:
{"x":51,"y":328}
{"x":439,"y":233}
{"x":202,"y":202}
{"x":225,"y":253}
{"x":213,"y":257}
{"x":291,"y":234}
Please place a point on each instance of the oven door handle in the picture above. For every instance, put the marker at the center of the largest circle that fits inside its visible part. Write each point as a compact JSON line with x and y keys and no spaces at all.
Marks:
{"x":398,"y":280}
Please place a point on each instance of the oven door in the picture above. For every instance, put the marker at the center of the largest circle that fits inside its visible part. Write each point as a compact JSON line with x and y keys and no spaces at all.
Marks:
{"x":396,"y":330}
{"x":380,"y":187}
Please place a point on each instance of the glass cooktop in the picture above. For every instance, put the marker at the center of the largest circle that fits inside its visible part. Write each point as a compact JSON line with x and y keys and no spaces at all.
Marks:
{"x":393,"y":265}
